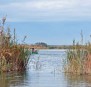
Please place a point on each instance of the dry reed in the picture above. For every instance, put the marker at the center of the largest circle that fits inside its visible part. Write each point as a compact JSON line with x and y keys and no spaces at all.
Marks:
{"x":13,"y":57}
{"x":79,"y":59}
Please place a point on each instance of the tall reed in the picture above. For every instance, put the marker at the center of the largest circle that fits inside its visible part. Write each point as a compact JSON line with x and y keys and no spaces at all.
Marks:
{"x":13,"y":57}
{"x":79,"y":58}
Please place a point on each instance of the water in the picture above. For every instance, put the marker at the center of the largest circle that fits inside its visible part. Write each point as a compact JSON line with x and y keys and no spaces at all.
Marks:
{"x":45,"y":70}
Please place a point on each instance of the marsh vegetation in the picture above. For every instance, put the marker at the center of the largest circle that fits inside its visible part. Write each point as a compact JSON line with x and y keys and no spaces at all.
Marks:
{"x":79,"y":58}
{"x":13,"y":56}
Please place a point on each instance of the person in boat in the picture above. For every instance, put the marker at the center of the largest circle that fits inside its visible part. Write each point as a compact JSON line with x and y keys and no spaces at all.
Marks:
{"x":34,"y":51}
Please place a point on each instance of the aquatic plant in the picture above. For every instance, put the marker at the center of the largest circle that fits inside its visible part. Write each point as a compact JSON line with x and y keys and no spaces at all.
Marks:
{"x":75,"y":60}
{"x":79,"y":58}
{"x":13,"y":56}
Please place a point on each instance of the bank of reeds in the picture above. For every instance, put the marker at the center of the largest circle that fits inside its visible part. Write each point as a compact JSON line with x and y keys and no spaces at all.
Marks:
{"x":13,"y":56}
{"x":79,"y":59}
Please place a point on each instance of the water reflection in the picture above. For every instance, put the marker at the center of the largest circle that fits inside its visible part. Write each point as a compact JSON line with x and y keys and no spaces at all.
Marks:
{"x":13,"y":79}
{"x":78,"y":80}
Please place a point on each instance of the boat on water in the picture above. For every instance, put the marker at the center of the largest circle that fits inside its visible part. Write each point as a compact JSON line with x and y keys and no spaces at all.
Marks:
{"x":34,"y":51}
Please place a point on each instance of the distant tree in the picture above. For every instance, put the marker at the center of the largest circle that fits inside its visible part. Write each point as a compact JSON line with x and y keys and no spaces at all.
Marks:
{"x":41,"y":44}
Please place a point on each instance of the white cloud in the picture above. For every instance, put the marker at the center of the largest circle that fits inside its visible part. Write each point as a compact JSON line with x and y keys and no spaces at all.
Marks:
{"x":40,"y":5}
{"x":47,"y":9}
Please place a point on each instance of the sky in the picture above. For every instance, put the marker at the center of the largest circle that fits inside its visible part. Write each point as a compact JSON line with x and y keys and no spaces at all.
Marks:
{"x":50,"y":21}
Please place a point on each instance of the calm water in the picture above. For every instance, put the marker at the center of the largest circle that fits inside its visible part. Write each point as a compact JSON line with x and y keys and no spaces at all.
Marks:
{"x":45,"y":70}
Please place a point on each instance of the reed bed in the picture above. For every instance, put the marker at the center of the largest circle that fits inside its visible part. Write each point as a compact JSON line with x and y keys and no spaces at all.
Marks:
{"x":79,"y":59}
{"x":13,"y":57}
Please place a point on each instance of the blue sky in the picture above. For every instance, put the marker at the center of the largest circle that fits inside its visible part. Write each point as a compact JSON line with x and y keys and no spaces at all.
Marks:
{"x":50,"y":21}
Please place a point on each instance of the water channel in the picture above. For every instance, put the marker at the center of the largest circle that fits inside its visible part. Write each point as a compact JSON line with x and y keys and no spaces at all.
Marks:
{"x":45,"y":69}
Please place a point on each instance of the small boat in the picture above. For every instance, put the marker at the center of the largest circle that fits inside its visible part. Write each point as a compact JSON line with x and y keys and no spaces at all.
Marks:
{"x":34,"y":51}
